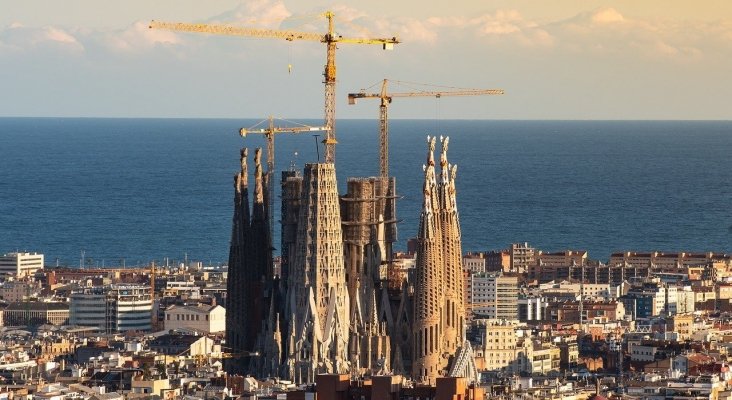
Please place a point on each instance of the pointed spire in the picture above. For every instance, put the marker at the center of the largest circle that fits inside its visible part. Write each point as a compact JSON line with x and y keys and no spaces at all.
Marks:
{"x":374,"y":317}
{"x":244,"y":179}
{"x":453,"y":192}
{"x":429,"y":187}
{"x":258,"y":185}
{"x":444,"y":169}
{"x":431,"y":154}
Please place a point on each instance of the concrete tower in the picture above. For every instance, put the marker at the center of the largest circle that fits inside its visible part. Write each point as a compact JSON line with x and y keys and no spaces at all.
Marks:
{"x":317,"y":293}
{"x":427,"y":330}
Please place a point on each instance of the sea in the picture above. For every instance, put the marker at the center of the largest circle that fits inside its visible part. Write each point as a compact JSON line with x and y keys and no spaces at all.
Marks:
{"x":129,"y":191}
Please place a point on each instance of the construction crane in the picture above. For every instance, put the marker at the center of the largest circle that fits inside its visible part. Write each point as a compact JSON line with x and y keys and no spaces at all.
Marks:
{"x":331,"y":39}
{"x":386,"y":99}
{"x":269,"y":134}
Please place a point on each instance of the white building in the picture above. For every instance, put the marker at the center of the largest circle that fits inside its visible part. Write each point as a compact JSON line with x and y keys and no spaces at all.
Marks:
{"x":685,"y":300}
{"x":500,"y":348}
{"x":494,"y":296}
{"x":200,"y":318}
{"x":589,"y":290}
{"x":20,"y":265}
{"x":532,"y":308}
{"x":113,"y":308}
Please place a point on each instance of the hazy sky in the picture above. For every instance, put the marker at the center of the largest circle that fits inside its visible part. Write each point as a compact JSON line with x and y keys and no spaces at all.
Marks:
{"x":559,"y":59}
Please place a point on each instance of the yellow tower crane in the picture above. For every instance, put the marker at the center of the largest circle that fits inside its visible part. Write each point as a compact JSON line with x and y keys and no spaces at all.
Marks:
{"x":330,"y":38}
{"x":269,"y":134}
{"x":386,"y":100}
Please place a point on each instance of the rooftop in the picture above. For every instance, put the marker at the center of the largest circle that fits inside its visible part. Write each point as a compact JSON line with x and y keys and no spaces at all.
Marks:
{"x":37,"y":306}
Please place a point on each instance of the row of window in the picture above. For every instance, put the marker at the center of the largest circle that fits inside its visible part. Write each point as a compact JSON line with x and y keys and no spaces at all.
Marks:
{"x":186,"y":317}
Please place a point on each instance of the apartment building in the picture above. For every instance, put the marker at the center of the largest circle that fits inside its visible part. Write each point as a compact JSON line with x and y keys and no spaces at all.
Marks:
{"x":113,"y":308}
{"x":523,"y":257}
{"x":20,"y":265}
{"x":494,"y":296}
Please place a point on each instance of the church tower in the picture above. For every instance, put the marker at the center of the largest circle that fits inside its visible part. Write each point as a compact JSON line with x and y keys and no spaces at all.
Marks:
{"x":427,"y":330}
{"x":237,"y":300}
{"x":438,"y":331}
{"x":317,"y":292}
{"x":454,"y":306}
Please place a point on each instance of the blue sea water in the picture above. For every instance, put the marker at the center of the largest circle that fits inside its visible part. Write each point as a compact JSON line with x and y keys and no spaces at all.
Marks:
{"x":144,"y":189}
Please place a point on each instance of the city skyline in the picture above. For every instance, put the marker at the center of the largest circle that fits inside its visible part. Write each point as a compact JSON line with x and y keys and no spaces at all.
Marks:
{"x":567,"y":60}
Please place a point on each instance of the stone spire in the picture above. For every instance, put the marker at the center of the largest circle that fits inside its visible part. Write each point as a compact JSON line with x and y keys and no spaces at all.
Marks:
{"x":439,"y":308}
{"x":317,"y":292}
{"x":237,"y":301}
{"x":428,"y":362}
{"x":454,"y":308}
{"x":258,"y":185}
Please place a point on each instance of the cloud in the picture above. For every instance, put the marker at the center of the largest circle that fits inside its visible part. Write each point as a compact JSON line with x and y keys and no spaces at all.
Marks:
{"x":19,"y":37}
{"x":139,"y":37}
{"x":604,"y":32}
{"x":510,"y":27}
{"x":261,"y":13}
{"x":607,"y":16}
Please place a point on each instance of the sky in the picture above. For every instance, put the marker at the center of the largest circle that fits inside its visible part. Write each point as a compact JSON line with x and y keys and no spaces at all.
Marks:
{"x":559,"y":59}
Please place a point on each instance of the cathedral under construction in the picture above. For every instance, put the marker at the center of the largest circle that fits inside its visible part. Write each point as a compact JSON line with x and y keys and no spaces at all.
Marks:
{"x":336,"y":305}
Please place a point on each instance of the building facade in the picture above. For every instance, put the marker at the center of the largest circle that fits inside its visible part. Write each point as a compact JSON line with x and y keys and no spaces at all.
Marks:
{"x":200,"y":318}
{"x":494,"y":296}
{"x":112,"y":308}
{"x":20,"y":265}
{"x":439,"y":309}
{"x":36,"y":313}
{"x":523,"y":257}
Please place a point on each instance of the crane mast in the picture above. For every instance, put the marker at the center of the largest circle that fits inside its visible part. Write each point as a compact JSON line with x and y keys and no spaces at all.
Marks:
{"x":331,"y":39}
{"x":386,"y":99}
{"x":269,"y":134}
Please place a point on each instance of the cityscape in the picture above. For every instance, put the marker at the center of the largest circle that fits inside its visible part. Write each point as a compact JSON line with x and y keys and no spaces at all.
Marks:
{"x":322,"y":295}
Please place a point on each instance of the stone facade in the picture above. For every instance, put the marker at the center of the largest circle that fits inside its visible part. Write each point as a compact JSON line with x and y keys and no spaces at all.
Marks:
{"x":439,"y":309}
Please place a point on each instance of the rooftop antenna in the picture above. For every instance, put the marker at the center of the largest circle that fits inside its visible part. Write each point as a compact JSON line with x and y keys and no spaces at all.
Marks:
{"x":317,"y":149}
